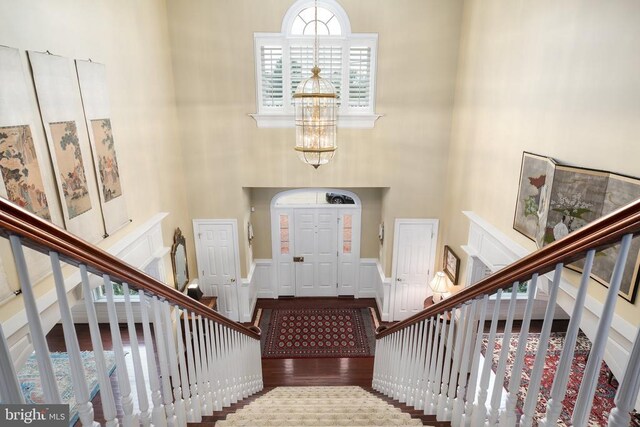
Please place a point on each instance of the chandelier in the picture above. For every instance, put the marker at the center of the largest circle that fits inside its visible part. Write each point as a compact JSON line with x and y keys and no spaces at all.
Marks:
{"x":315,"y":114}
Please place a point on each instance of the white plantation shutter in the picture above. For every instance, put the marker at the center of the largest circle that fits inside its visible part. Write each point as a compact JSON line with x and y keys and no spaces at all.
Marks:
{"x":271,"y":75}
{"x":360,"y":77}
{"x":329,"y":61}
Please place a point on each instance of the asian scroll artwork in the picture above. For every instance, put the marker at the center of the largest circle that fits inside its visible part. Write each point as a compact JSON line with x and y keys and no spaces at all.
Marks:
{"x":70,"y":167}
{"x":555,"y":200}
{"x":107,"y":162}
{"x":20,"y":170}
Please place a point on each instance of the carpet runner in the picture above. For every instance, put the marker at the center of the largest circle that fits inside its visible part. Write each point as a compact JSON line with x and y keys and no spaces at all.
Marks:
{"x":29,"y":378}
{"x":605,"y":391}
{"x":317,"y":332}
{"x":318,"y":406}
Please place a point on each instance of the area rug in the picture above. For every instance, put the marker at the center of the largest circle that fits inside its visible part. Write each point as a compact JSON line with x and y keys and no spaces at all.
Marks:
{"x":605,"y":391}
{"x":317,"y":332}
{"x":29,"y":378}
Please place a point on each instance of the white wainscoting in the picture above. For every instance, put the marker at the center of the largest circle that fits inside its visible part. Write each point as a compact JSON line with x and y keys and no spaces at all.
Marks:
{"x":367,"y":282}
{"x":248,"y":294}
{"x":496,"y":250}
{"x":261,"y":284}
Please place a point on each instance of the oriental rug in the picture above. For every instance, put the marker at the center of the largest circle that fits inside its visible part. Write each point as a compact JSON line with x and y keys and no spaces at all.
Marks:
{"x":317,"y":332}
{"x":29,"y":378}
{"x":605,"y":390}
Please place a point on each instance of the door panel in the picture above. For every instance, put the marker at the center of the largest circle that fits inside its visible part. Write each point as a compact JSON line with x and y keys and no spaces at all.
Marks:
{"x":216,"y":244}
{"x":414,"y":244}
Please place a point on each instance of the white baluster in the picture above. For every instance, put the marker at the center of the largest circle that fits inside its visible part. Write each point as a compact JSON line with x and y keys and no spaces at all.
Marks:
{"x":437,"y":380}
{"x":424,"y":377}
{"x":178,"y":402}
{"x":158,"y":416}
{"x":447,"y":362}
{"x":458,"y":403}
{"x":455,"y":365}
{"x":78,"y":376}
{"x":128,"y":418}
{"x":475,"y":366}
{"x":407,"y":343}
{"x":480,"y":409}
{"x":224,"y":381}
{"x":591,"y":373}
{"x":498,"y":384}
{"x":205,"y":409}
{"x":195,"y":399}
{"x":509,"y":417}
{"x":106,"y":393}
{"x":10,"y":391}
{"x":429,"y":396}
{"x":205,"y":368}
{"x":628,"y":390}
{"x":559,"y":388}
{"x":219,"y":365}
{"x":184,"y":379}
{"x":141,"y":387}
{"x":49,"y":385}
{"x":538,"y":365}
{"x":160,"y":332}
{"x":414,"y":376}
{"x":209,"y":370}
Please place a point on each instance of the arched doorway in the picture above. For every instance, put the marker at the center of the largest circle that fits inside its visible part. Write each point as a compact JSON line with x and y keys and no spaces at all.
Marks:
{"x":316,"y":242}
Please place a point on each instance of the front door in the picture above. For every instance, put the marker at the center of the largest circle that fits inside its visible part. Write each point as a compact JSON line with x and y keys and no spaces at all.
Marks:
{"x":216,"y":255}
{"x":414,"y":244}
{"x":315,"y":254}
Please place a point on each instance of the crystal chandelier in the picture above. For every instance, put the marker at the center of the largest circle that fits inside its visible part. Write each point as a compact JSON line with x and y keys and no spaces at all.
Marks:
{"x":315,"y":112}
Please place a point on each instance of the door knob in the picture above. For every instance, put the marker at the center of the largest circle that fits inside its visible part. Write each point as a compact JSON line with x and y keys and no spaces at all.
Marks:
{"x":298,"y":259}
{"x":233,"y":280}
{"x":399,"y":279}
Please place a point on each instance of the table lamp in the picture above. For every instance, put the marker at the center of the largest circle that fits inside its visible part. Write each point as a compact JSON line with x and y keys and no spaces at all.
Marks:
{"x":440,"y":286}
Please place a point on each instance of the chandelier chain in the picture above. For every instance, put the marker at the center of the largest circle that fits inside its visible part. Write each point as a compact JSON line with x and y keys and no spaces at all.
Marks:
{"x":316,"y":43}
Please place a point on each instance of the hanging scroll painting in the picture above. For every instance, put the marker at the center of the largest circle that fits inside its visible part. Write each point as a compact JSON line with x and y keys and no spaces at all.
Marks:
{"x":61,"y":112}
{"x":93,"y":89}
{"x":27,"y":176}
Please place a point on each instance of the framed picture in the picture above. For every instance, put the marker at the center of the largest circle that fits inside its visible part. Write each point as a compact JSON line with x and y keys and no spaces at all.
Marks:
{"x":451,"y":265}
{"x":534,"y":191}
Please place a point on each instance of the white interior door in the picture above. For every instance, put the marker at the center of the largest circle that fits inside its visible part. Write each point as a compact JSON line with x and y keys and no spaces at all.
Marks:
{"x":413,"y":265}
{"x":315,"y":252}
{"x":217,"y":257}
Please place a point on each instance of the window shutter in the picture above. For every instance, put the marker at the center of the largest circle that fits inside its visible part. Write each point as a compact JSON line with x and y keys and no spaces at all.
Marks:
{"x":329,"y":61}
{"x":271,"y":70}
{"x":359,"y":77}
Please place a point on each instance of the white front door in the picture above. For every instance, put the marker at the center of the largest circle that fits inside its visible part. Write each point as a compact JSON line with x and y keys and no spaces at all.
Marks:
{"x":315,"y":252}
{"x":216,"y":254}
{"x":414,"y":249}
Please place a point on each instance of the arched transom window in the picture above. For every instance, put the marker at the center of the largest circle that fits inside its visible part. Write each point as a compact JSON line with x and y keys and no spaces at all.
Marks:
{"x":286,"y":58}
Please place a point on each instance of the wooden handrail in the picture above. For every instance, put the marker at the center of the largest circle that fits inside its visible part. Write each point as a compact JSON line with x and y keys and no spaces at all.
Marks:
{"x":44,"y":236}
{"x":604,"y":232}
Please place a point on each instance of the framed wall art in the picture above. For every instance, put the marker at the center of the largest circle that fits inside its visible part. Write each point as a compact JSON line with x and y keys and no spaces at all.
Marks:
{"x":451,"y":265}
{"x":534,"y":190}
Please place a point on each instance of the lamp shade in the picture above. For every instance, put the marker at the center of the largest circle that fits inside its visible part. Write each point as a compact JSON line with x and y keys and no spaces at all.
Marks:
{"x":439,"y":284}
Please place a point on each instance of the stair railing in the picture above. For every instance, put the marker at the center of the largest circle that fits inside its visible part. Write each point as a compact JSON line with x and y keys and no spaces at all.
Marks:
{"x":456,"y":387}
{"x":222,"y":364}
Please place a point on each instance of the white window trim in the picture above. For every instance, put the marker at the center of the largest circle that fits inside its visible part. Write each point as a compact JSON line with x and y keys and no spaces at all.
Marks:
{"x":283,"y":117}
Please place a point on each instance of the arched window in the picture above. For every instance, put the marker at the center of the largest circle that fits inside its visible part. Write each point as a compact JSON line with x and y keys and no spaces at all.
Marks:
{"x":284,"y":59}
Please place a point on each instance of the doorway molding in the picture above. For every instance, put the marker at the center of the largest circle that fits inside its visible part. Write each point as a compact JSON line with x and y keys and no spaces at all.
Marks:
{"x":276,"y":210}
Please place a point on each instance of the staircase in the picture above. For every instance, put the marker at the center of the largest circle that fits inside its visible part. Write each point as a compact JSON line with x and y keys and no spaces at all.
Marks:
{"x":317,"y":406}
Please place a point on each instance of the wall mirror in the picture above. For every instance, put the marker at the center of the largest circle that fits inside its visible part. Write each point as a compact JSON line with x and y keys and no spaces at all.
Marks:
{"x":179,"y":260}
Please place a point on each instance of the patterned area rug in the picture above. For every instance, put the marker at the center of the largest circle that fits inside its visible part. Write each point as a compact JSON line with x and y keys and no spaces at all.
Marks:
{"x":605,"y":392}
{"x":317,"y":332}
{"x":29,"y":378}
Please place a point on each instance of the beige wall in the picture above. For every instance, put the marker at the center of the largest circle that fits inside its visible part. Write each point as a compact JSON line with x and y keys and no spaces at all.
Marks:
{"x":371,"y":199}
{"x":407,"y":151}
{"x":131,"y":39}
{"x":555,"y":78}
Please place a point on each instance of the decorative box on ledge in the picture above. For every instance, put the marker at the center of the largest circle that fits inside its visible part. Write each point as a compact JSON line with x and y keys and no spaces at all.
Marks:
{"x":194,"y":291}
